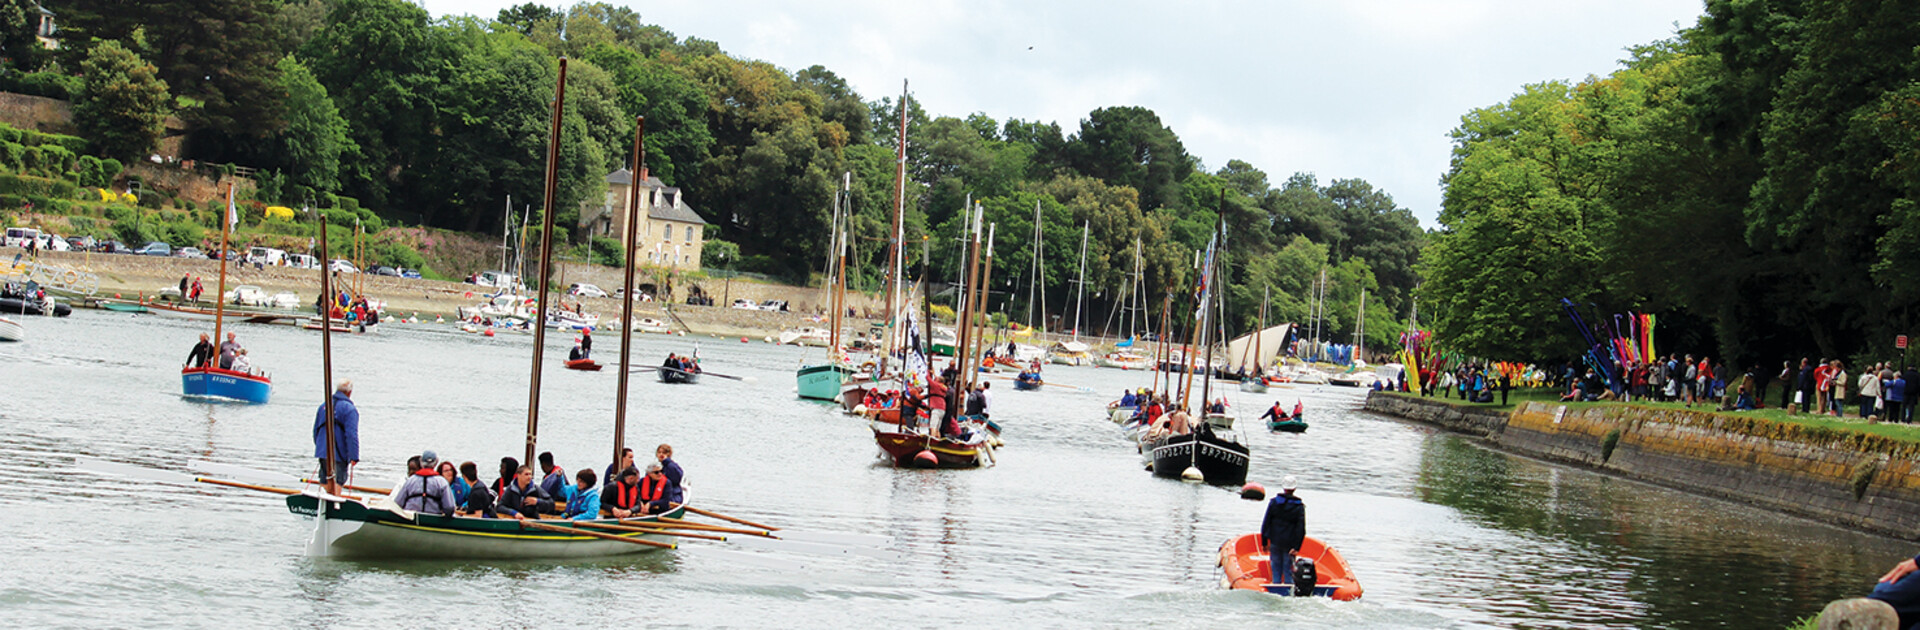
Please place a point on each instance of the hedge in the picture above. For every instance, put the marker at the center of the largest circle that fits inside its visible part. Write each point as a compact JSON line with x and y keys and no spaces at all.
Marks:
{"x":48,"y":84}
{"x":16,"y":135}
{"x":28,"y":185}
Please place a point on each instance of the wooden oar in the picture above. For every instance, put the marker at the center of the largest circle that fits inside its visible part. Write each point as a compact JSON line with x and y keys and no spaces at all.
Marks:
{"x":572,"y":530}
{"x":673,"y":523}
{"x":744,"y":379}
{"x":155,"y":474}
{"x":724,"y":517}
{"x":647,"y":530}
{"x":243,"y":472}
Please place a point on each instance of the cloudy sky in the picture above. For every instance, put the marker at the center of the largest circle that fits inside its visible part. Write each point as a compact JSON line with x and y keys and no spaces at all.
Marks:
{"x":1337,"y":88}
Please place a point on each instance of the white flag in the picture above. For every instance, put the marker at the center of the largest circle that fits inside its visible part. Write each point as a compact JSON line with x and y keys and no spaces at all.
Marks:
{"x":233,"y":214}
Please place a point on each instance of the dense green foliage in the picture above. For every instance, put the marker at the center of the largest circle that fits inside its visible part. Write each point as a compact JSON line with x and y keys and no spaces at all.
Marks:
{"x":122,"y":104}
{"x":438,"y":122}
{"x":1755,"y":173}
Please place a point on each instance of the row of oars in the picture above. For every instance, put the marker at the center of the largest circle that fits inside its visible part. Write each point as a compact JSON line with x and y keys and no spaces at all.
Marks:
{"x":753,"y":535}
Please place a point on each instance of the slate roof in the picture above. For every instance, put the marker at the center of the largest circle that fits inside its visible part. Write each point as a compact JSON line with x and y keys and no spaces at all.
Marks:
{"x":667,"y":212}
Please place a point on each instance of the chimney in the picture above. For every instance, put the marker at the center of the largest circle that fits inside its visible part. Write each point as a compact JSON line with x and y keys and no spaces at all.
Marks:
{"x":642,"y":179}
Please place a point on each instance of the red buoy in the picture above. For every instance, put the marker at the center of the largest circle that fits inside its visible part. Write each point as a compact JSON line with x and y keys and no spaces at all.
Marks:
{"x":1253,"y":492}
{"x":925,"y":459}
{"x":116,"y":296}
{"x":488,"y":333}
{"x":743,"y":340}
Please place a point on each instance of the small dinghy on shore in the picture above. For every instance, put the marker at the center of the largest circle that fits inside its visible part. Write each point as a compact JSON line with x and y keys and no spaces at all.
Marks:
{"x":1321,"y":570}
{"x":11,"y":330}
{"x":584,"y":365}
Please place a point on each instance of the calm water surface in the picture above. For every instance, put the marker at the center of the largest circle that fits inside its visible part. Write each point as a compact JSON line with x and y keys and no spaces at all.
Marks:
{"x":1066,"y":532}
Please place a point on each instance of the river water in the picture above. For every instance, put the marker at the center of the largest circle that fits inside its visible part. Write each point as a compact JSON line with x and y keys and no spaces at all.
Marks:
{"x":1067,"y":531}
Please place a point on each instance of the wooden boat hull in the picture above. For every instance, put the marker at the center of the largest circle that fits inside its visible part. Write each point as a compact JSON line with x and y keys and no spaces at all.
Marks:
{"x":1221,"y":461}
{"x":1287,"y":426}
{"x":11,"y":330}
{"x":1246,"y":567}
{"x":353,"y":530}
{"x":215,"y":383}
{"x":678,"y":377}
{"x":821,"y":382}
{"x":903,"y":449}
{"x":584,"y":365}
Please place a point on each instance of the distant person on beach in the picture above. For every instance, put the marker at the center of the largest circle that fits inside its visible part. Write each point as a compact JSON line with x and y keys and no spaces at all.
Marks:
{"x":337,"y":458}
{"x":202,"y":352}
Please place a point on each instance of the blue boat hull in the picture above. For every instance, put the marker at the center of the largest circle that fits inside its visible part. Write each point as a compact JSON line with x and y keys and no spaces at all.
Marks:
{"x":226,"y":385}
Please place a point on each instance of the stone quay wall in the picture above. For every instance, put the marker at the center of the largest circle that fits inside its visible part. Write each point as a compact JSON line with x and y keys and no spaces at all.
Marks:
{"x":1855,"y":480}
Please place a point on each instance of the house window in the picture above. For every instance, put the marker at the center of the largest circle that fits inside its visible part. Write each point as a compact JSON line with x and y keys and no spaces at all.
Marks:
{"x":689,"y":234}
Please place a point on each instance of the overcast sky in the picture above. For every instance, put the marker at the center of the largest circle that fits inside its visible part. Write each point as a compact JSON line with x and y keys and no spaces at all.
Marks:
{"x":1337,"y":88}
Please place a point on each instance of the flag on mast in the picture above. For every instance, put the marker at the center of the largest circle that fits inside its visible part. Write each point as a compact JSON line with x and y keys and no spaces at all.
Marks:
{"x":233,"y":214}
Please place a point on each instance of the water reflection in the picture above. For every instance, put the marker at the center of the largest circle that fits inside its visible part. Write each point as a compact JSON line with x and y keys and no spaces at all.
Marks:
{"x":1663,"y":557}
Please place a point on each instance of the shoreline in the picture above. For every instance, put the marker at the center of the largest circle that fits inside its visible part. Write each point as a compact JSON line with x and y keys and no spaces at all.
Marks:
{"x":1852,"y":480}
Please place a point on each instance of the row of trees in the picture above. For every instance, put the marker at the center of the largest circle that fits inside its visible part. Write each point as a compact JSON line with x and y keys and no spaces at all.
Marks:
{"x":1753,"y":180}
{"x":441,"y":121}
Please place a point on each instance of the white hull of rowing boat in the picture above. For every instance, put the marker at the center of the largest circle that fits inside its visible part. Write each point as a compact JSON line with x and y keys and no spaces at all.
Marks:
{"x":344,"y":538}
{"x":11,"y":330}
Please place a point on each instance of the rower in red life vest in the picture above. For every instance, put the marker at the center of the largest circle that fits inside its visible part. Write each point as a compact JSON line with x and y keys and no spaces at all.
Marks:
{"x":653,"y":490}
{"x":622,"y":499}
{"x":1299,"y":409}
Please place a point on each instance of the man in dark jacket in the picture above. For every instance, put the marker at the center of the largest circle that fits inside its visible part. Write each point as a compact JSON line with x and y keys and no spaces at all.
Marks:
{"x":522,"y":498}
{"x":1806,"y":385}
{"x":1283,"y":530}
{"x":345,"y":449}
{"x":673,"y":473}
{"x":202,"y":352}
{"x":555,"y":480}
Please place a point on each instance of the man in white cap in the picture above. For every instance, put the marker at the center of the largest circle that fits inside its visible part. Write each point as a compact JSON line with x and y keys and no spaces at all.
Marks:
{"x":1283,"y":529}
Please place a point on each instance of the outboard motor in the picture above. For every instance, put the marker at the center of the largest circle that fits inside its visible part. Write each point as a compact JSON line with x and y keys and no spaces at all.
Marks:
{"x":1304,"y":577}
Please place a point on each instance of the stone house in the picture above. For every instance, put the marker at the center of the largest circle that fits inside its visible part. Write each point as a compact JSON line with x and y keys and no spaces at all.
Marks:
{"x":671,"y":233}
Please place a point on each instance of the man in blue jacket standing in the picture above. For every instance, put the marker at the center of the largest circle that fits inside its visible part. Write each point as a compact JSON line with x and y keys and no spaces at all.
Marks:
{"x":1283,"y":529}
{"x":345,"y":448}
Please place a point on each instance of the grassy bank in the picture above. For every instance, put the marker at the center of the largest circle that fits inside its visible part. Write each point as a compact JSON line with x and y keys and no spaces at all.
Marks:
{"x":1901,"y":432}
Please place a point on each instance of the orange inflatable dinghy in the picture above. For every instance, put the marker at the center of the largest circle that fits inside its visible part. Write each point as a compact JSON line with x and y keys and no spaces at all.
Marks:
{"x":1245,"y":564}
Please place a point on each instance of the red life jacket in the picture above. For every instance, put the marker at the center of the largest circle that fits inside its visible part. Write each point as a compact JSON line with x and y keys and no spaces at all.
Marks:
{"x":651,"y":491}
{"x":625,"y":497}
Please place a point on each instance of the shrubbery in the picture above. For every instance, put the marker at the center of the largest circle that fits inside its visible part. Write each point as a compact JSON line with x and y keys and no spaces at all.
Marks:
{"x":47,"y":84}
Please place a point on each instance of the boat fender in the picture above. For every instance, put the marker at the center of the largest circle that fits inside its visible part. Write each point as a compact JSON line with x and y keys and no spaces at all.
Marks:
{"x":1253,"y":492}
{"x":926,"y":459}
{"x":1192,"y":474}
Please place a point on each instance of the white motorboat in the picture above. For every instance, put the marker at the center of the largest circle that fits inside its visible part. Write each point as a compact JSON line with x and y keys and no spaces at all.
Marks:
{"x":651,"y":325}
{"x":570,"y":320}
{"x":805,"y":336}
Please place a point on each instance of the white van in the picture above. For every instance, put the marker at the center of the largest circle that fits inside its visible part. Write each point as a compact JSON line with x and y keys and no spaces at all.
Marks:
{"x":19,"y":237}
{"x":302,"y":261}
{"x":266,"y":256}
{"x":496,"y":279}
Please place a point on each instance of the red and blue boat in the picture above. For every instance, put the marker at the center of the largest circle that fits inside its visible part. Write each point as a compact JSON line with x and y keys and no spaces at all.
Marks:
{"x":216,"y":384}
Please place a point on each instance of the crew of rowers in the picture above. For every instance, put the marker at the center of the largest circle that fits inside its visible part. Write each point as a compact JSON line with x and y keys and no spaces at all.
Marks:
{"x":1275,"y":414}
{"x":439,"y":487}
{"x":683,"y":364}
{"x":232,"y":356}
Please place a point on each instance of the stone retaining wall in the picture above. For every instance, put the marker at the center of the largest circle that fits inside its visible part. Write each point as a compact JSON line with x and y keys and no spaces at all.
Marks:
{"x":1854,"y":480}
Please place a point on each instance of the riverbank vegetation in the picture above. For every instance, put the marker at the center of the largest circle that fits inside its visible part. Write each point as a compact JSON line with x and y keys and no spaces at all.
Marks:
{"x":1754,"y":180}
{"x":1904,"y":433}
{"x":439,"y":122}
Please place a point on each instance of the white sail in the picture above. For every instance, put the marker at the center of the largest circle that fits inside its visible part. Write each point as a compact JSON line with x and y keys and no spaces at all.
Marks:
{"x":1272,"y":340}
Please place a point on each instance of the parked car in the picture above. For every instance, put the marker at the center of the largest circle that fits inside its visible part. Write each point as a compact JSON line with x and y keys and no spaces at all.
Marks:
{"x":745,"y":304}
{"x":114,"y":247}
{"x":82,"y":244}
{"x":342,"y":266}
{"x":773,"y":305}
{"x":155,"y":248}
{"x":384,"y":270}
{"x":302,"y":261}
{"x":265,"y":255}
{"x":19,"y":237}
{"x":585,"y":290}
{"x":409,"y":273}
{"x":190,"y":252}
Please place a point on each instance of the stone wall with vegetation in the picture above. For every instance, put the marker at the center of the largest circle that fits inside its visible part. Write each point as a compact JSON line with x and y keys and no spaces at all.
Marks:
{"x":1845,"y":478}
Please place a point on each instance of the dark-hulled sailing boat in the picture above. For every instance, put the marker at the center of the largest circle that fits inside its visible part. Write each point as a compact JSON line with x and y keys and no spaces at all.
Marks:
{"x":1210,"y":449}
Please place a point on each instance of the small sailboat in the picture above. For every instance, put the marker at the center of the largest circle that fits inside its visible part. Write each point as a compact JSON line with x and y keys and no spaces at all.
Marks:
{"x":1209,"y":449}
{"x":210,"y":381}
{"x":824,"y":381}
